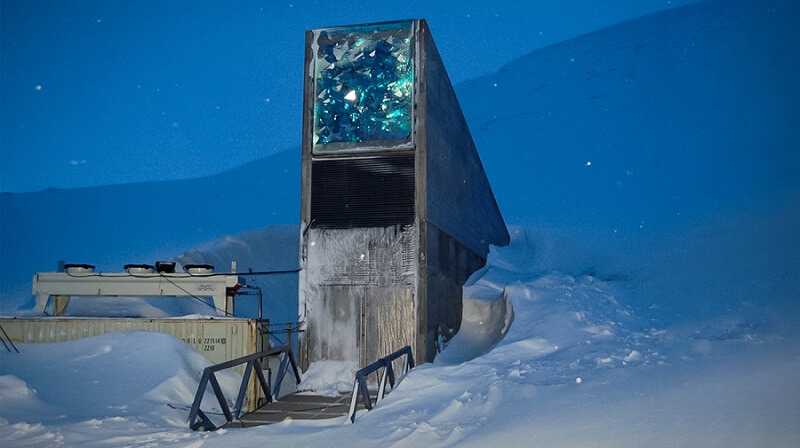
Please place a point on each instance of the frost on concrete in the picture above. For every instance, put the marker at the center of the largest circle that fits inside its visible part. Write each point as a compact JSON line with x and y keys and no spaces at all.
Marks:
{"x":357,"y":291}
{"x":369,"y":257}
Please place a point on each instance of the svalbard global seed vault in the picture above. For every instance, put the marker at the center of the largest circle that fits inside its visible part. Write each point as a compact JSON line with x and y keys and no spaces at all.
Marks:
{"x":396,"y":209}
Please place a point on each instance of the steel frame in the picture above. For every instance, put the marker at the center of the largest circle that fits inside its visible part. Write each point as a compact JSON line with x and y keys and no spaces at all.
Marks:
{"x":360,"y":388}
{"x":253,"y":364}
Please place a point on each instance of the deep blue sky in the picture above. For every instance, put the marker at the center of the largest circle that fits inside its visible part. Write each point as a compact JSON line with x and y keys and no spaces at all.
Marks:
{"x":102,"y":92}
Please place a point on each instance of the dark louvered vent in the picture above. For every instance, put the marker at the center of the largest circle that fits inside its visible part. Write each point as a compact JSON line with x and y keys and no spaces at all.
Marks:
{"x":368,"y":192}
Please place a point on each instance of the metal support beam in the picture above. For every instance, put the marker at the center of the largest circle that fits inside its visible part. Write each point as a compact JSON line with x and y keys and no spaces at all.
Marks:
{"x":63,"y":285}
{"x":60,"y":303}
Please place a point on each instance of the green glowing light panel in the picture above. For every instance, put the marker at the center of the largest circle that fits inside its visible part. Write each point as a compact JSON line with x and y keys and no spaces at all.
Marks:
{"x":363,"y":87}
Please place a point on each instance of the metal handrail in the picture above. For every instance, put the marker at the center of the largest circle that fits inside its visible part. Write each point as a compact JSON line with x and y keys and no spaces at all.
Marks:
{"x":360,"y":383}
{"x":253,"y":364}
{"x":5,"y":337}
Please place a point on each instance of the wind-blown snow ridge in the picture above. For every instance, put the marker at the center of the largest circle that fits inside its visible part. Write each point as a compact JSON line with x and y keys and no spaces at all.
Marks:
{"x":552,"y":313}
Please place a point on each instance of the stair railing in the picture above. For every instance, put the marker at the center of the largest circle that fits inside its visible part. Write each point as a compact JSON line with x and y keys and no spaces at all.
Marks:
{"x":7,"y":342}
{"x":199,"y":421}
{"x":360,"y":388}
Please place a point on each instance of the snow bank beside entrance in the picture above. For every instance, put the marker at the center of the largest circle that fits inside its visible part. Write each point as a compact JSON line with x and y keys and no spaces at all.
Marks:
{"x":329,"y":377}
{"x":64,"y":392}
{"x":486,"y":317}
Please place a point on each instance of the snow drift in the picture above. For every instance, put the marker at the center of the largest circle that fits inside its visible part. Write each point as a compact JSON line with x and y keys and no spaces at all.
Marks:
{"x":65,"y":393}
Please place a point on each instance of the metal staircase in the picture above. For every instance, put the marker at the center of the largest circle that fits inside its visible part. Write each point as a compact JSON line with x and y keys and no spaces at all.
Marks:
{"x":299,"y":405}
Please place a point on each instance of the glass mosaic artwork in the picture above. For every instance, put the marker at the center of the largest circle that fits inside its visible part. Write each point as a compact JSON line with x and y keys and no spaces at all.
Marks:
{"x":364,"y":78}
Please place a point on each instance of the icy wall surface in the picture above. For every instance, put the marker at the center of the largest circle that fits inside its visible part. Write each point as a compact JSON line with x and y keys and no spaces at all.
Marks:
{"x":363,"y":82}
{"x":358,"y":292}
{"x":371,"y":257}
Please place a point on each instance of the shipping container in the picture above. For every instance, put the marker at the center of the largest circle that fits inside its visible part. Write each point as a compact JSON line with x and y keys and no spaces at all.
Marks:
{"x":218,"y":339}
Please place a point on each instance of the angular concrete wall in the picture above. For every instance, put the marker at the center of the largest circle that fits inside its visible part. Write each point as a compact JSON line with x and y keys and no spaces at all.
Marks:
{"x":455,"y":202}
{"x":391,"y":230}
{"x":459,"y":199}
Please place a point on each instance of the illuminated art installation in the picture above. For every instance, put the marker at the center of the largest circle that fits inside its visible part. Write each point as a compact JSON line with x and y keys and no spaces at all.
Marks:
{"x":363,"y":86}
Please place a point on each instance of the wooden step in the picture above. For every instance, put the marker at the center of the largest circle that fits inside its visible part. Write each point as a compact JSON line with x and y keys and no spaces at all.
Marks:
{"x":297,"y":406}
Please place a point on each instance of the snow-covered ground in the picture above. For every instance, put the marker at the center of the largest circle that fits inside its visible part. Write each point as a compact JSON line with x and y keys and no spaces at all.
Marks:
{"x":577,"y":366}
{"x":649,"y":296}
{"x":116,"y":388}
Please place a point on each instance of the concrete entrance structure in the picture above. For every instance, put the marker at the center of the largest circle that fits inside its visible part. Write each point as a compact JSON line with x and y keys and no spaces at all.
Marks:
{"x":396,"y":209}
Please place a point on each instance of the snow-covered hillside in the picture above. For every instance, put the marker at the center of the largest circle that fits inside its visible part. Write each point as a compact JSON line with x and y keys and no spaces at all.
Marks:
{"x":649,"y":296}
{"x":648,"y":125}
{"x":140,"y":223}
{"x":669,"y":143}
